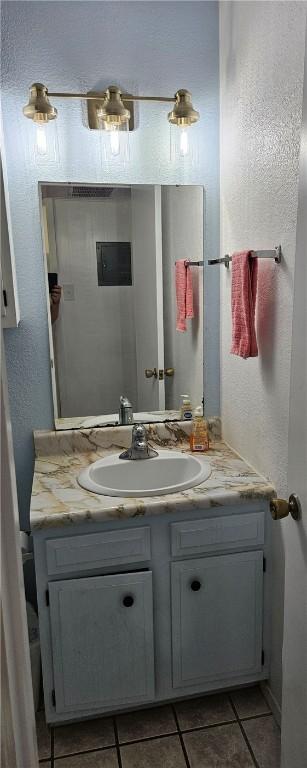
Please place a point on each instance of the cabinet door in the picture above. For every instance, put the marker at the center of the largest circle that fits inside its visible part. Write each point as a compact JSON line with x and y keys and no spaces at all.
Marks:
{"x":102,"y":641}
{"x":216,"y":618}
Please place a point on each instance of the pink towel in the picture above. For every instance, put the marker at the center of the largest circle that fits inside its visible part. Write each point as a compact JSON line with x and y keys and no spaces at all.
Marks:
{"x":184,"y":294}
{"x":243,"y":302}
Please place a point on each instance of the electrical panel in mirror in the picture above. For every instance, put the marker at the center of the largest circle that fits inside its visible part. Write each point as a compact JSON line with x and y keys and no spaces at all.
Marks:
{"x":110,"y":256}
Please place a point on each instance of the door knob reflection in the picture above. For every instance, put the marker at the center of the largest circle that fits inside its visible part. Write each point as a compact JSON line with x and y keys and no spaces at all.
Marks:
{"x":151,"y":372}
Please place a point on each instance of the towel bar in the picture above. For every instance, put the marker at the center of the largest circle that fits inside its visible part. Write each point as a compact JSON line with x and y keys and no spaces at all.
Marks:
{"x":193,"y":263}
{"x":274,"y":254}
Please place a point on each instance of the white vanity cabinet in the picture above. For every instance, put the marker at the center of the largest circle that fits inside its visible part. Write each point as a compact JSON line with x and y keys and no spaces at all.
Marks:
{"x":149,"y":609}
{"x":217,"y":618}
{"x":217,"y":599}
{"x":102,"y":641}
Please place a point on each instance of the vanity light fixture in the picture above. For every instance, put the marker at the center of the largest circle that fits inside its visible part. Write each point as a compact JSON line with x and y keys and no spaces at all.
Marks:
{"x":114,"y":119}
{"x":41,"y":112}
{"x":112,"y":111}
{"x":183,"y":115}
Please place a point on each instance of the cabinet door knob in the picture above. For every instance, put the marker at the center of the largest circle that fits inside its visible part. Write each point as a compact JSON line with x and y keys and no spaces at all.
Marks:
{"x":128,"y":601}
{"x":195,"y":585}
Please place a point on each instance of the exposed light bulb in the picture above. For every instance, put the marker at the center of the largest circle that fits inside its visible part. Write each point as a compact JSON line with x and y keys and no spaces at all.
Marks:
{"x":183,"y":142}
{"x":41,"y":140}
{"x":114,"y":141}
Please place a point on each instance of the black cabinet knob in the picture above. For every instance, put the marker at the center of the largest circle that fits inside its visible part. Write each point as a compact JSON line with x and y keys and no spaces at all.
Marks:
{"x":195,"y":585}
{"x":128,"y":601}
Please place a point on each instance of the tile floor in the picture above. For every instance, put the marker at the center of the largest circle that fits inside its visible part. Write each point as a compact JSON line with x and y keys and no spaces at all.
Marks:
{"x":226,"y":730}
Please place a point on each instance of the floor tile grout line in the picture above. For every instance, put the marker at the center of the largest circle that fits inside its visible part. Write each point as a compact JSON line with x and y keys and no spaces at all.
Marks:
{"x":183,"y":746}
{"x":120,"y":744}
{"x":244,"y":734}
{"x":84,"y":752}
{"x":248,"y":744}
{"x":207,"y":727}
{"x":201,"y":727}
{"x":149,"y":738}
{"x":119,"y":757}
{"x":255,"y":717}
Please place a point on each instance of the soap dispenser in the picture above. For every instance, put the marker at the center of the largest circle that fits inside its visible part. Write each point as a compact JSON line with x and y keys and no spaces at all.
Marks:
{"x":199,"y":438}
{"x":186,"y":408}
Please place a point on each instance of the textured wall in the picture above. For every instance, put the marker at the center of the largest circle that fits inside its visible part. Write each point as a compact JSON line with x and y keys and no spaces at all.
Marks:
{"x":261,"y":79}
{"x":149,"y":47}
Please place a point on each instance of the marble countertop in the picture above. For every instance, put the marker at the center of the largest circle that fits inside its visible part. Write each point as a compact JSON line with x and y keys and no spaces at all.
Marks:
{"x":57,"y":498}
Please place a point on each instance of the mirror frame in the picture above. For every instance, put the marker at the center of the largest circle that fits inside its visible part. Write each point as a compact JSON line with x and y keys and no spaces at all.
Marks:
{"x":105,"y":420}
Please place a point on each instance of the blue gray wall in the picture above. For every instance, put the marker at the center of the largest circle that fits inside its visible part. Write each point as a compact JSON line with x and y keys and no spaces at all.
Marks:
{"x":148,"y":48}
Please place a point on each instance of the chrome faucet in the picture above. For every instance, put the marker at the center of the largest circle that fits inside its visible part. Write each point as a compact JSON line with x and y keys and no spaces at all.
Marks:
{"x":125,"y":413}
{"x":139,"y":448}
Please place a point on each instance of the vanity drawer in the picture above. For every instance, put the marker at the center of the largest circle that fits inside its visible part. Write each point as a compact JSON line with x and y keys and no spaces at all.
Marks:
{"x":195,"y":537}
{"x":96,"y":550}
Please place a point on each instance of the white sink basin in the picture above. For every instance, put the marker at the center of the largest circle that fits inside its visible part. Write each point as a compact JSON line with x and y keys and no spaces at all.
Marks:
{"x":169,"y":472}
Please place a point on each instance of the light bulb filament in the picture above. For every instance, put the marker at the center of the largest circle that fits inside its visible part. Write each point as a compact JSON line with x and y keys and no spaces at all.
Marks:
{"x":41,"y":140}
{"x":114,"y":142}
{"x":183,"y":143}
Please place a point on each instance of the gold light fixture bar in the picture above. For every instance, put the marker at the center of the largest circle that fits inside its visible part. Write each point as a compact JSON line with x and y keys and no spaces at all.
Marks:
{"x":103,"y":95}
{"x":110,"y":107}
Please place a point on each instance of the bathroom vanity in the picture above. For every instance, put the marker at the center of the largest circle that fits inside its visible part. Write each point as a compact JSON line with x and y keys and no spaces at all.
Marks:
{"x":150,"y":599}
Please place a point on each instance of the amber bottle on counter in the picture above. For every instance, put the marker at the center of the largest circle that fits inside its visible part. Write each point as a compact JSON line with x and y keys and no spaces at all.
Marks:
{"x":199,"y":438}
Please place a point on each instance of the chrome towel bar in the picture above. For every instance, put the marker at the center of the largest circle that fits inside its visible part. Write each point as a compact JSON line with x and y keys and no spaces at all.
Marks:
{"x":193,"y":263}
{"x":273,"y":254}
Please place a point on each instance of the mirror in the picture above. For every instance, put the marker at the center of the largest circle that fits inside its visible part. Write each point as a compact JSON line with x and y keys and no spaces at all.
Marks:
{"x":110,"y":254}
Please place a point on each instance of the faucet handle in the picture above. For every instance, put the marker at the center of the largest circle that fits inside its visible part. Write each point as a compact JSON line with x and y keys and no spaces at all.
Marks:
{"x":139,"y":437}
{"x":138,"y":431}
{"x":139,"y":448}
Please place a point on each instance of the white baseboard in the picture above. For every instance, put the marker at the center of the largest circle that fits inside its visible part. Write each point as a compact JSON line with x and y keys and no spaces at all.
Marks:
{"x":272,"y":702}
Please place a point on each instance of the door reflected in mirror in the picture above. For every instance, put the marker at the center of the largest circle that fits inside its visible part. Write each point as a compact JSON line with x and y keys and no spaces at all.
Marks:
{"x":110,"y":255}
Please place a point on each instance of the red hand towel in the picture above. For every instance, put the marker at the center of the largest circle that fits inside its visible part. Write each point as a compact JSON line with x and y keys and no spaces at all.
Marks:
{"x":184,"y":294}
{"x":243,"y":302}
{"x":189,"y":304}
